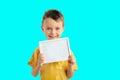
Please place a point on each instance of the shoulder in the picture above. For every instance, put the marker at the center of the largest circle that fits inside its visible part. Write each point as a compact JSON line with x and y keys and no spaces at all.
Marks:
{"x":37,"y":50}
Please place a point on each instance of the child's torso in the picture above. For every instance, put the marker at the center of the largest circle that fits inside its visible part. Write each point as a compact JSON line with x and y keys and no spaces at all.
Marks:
{"x":54,"y":71}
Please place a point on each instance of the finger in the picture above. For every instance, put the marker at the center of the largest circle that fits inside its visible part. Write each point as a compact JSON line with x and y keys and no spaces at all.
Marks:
{"x":42,"y":57}
{"x":40,"y":54}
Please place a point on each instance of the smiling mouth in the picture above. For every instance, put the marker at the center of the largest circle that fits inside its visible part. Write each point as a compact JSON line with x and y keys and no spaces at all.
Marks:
{"x":52,"y":36}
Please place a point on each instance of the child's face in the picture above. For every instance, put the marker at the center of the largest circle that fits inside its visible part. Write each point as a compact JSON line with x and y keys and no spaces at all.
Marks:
{"x":52,"y":29}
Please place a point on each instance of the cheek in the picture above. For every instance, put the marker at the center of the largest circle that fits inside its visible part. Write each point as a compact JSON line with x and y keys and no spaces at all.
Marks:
{"x":47,"y":32}
{"x":60,"y":32}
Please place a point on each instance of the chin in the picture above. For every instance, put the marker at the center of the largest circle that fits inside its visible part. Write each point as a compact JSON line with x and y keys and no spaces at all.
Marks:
{"x":53,"y":38}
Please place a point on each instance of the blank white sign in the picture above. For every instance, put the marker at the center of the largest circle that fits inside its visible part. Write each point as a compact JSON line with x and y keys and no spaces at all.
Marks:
{"x":55,"y":50}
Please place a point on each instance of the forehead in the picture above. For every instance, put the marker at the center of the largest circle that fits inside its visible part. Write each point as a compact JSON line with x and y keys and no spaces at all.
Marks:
{"x":49,"y":22}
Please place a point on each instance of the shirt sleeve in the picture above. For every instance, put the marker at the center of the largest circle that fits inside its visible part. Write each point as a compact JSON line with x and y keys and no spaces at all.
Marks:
{"x":34,"y":59}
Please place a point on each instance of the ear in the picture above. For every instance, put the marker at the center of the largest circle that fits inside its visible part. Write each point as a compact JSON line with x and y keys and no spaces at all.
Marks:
{"x":42,"y":28}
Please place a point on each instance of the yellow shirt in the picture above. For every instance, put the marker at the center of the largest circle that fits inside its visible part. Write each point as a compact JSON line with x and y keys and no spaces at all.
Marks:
{"x":51,"y":71}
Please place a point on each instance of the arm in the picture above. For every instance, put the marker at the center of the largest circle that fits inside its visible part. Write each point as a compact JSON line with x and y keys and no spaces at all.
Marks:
{"x":35,"y":70}
{"x":70,"y":70}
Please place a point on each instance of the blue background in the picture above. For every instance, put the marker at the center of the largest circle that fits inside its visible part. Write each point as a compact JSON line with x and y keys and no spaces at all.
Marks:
{"x":93,"y":27}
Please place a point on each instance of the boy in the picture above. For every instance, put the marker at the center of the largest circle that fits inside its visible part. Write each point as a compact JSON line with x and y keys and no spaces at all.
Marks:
{"x":52,"y":26}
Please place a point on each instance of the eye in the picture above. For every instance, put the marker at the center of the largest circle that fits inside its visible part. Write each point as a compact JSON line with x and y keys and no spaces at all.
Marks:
{"x":48,"y":28}
{"x":57,"y":28}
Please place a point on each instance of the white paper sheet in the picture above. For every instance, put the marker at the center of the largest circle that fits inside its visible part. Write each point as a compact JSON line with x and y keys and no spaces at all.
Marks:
{"x":55,"y":50}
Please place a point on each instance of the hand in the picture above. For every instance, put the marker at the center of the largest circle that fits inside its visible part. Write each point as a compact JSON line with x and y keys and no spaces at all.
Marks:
{"x":40,"y":59}
{"x":71,"y":60}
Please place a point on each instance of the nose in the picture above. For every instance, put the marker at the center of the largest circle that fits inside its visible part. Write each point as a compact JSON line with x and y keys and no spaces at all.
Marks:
{"x":53,"y":31}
